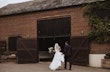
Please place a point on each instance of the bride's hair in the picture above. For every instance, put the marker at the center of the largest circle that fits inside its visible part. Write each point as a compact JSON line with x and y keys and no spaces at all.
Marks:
{"x":56,"y":44}
{"x":57,"y":47}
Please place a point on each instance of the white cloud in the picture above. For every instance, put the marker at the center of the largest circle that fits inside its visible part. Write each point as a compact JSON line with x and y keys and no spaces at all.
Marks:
{"x":6,"y":2}
{"x":17,"y":1}
{"x":3,"y":3}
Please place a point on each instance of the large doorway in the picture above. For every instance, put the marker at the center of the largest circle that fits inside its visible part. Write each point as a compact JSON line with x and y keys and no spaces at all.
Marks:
{"x":51,"y":31}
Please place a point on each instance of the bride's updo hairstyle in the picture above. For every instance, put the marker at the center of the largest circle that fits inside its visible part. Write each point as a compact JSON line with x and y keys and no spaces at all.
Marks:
{"x":57,"y":47}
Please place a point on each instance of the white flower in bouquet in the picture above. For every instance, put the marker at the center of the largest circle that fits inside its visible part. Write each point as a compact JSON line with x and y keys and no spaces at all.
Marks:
{"x":50,"y":49}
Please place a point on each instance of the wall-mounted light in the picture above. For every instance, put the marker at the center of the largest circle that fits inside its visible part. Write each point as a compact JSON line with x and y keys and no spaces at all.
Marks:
{"x":82,"y":32}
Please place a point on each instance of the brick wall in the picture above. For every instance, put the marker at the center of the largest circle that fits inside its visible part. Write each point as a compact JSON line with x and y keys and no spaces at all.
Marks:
{"x":25,"y":24}
{"x":99,"y":48}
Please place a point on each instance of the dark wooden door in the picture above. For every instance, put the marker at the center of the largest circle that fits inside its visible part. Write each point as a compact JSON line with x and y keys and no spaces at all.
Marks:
{"x":27,"y":51}
{"x":80,"y":47}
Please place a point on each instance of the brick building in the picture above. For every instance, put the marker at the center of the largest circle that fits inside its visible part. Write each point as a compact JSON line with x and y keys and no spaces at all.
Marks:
{"x":50,"y":21}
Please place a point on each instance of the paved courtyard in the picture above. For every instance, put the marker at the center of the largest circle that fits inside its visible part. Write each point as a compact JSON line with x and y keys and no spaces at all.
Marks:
{"x":43,"y":67}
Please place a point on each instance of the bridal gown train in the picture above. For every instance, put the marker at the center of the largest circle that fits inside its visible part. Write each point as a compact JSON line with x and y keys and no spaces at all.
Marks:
{"x":56,"y":62}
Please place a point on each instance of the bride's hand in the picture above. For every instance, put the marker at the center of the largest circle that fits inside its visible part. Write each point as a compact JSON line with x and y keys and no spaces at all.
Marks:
{"x":62,"y":54}
{"x":53,"y":50}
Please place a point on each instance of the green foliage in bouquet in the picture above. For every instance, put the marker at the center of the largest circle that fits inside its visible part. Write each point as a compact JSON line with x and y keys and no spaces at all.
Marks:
{"x":50,"y":50}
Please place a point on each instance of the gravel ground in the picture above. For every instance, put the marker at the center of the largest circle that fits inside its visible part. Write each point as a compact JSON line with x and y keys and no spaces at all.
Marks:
{"x":43,"y":67}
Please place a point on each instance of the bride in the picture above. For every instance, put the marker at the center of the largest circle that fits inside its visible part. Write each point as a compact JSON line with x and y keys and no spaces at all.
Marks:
{"x":57,"y":59}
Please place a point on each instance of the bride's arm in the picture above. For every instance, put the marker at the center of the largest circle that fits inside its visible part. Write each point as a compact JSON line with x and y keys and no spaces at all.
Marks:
{"x":56,"y":49}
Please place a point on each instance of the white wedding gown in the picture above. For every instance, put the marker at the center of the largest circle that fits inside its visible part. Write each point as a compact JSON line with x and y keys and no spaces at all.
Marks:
{"x":57,"y":59}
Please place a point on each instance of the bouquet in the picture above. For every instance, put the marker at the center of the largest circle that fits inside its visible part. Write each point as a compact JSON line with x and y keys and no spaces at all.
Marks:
{"x":51,"y":50}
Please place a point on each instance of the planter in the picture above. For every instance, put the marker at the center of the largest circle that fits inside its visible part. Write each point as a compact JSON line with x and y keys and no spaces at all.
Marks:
{"x":106,"y":63}
{"x":95,"y":60}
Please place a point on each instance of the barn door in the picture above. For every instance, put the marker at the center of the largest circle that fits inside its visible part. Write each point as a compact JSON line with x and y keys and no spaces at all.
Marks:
{"x":80,"y":49}
{"x":26,"y":51}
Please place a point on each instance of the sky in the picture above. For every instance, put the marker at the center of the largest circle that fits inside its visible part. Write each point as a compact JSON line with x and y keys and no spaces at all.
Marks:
{"x":6,"y":2}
